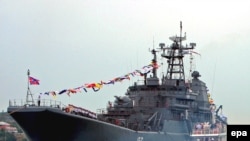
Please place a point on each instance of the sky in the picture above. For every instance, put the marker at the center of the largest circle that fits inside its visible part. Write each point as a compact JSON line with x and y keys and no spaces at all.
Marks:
{"x":66,"y":44}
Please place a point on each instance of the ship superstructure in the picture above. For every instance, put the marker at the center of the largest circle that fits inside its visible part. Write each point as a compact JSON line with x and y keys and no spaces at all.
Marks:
{"x":162,"y":109}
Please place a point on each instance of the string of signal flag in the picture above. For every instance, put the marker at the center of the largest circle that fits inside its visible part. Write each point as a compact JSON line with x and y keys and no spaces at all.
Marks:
{"x":97,"y":86}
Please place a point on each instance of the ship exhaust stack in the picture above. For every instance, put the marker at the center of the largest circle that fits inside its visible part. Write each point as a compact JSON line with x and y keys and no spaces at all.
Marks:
{"x":166,"y":111}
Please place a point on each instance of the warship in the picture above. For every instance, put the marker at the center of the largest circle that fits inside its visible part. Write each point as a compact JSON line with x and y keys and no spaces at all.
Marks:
{"x":170,"y":108}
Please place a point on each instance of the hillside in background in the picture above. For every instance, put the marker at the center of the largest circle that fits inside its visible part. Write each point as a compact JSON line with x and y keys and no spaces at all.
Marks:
{"x":5,"y":136}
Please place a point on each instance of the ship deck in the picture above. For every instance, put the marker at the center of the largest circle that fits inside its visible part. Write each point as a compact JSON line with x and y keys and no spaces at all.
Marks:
{"x":51,"y":121}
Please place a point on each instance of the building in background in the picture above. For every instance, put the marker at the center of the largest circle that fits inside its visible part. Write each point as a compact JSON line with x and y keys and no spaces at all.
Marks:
{"x":7,"y":127}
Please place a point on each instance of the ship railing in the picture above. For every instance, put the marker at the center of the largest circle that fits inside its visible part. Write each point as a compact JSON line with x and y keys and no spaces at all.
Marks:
{"x":139,"y":82}
{"x":43,"y":103}
{"x":79,"y":111}
{"x":204,"y":130}
{"x":114,"y":112}
{"x":102,"y":111}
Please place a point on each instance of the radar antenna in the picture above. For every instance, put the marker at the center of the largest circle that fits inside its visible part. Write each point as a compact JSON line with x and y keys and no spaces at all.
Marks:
{"x":174,"y":55}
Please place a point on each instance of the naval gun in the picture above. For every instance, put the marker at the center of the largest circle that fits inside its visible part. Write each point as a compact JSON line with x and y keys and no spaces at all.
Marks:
{"x":123,"y":101}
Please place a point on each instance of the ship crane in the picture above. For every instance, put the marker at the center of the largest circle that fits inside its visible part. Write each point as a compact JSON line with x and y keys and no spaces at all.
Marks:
{"x":166,"y":111}
{"x":218,"y":117}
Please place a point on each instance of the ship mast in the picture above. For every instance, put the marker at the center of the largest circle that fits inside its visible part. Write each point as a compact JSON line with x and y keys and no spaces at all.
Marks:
{"x":174,"y":55}
{"x":29,"y":94}
{"x":154,"y":61}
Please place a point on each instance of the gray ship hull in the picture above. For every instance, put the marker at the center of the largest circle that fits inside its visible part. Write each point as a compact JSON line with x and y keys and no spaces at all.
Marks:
{"x":170,"y":108}
{"x":52,"y":124}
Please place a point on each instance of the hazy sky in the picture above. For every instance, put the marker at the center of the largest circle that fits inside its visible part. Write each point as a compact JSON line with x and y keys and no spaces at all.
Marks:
{"x":66,"y":44}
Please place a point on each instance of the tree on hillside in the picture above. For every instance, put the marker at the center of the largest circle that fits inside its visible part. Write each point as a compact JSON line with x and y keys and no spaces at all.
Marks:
{"x":6,"y":135}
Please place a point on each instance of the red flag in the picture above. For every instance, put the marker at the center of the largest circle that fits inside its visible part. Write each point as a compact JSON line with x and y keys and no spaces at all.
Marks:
{"x":33,"y":81}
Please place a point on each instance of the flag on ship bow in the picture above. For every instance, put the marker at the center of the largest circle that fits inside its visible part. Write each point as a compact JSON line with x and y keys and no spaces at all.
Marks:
{"x":33,"y":81}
